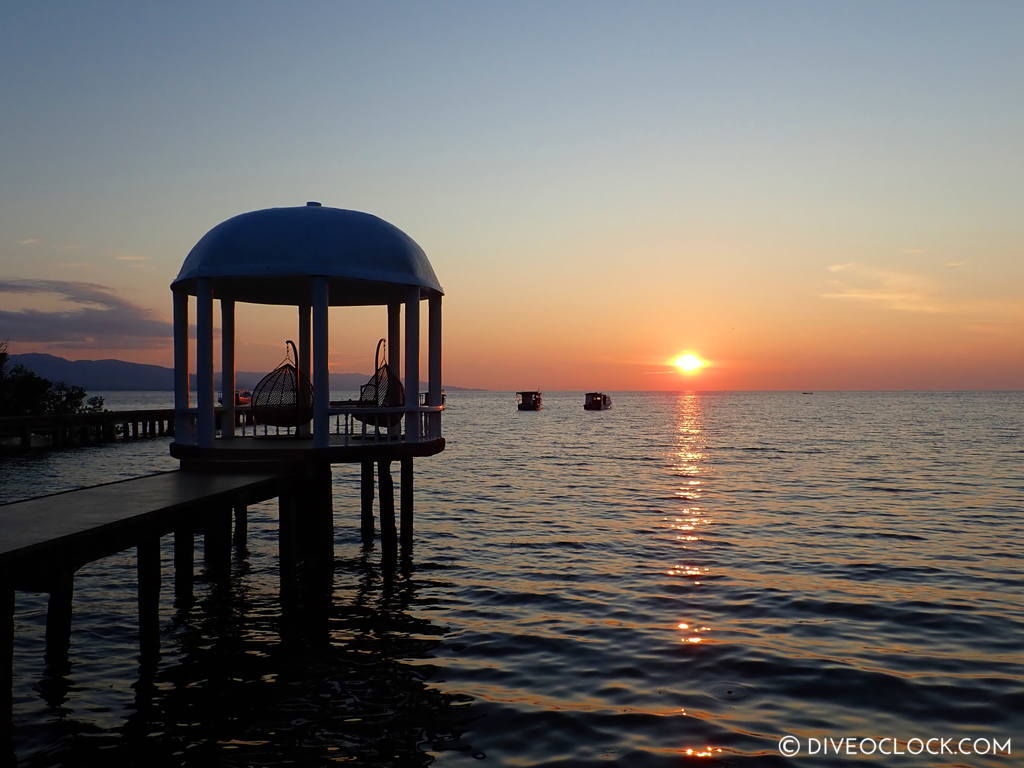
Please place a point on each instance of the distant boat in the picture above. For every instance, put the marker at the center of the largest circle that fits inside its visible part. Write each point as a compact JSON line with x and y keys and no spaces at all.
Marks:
{"x":529,"y":401}
{"x":806,"y":393}
{"x":597,"y":401}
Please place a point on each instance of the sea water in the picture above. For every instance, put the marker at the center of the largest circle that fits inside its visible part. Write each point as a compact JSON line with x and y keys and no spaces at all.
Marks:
{"x":685,"y":578}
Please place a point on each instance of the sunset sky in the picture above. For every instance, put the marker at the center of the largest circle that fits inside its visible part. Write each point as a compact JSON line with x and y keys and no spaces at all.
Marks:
{"x":807,"y":195}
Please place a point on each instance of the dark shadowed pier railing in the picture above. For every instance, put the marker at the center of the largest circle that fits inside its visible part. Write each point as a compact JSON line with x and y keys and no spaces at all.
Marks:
{"x":19,"y":433}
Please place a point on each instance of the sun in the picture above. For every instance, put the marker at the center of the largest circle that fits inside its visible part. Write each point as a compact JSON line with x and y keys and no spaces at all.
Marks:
{"x":689,"y":363}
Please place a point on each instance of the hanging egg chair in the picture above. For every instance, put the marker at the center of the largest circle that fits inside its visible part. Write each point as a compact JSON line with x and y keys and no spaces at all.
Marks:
{"x":284,"y":397}
{"x":383,"y":390}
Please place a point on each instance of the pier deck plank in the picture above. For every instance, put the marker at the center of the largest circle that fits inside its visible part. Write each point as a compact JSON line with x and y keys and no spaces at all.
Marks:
{"x":71,"y":528}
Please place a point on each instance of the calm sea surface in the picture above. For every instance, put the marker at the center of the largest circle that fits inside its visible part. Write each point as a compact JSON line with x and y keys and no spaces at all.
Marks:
{"x":683,"y":575}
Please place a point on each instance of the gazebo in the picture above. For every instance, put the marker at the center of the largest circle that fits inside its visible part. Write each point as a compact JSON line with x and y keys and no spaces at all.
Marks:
{"x":313,"y":258}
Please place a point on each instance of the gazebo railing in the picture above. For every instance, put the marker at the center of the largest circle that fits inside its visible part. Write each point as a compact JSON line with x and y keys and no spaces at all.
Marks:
{"x":346,"y":422}
{"x":343,"y":422}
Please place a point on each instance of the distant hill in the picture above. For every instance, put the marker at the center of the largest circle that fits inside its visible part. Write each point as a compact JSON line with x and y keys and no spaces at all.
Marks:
{"x":118,"y":375}
{"x":97,"y":374}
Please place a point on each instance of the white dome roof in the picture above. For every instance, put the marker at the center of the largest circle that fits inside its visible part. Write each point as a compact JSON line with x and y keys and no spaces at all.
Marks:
{"x":268,"y":256}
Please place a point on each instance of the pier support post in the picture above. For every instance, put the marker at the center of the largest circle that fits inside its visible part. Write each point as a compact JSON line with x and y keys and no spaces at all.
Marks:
{"x":184,"y":556}
{"x":366,"y":502}
{"x":286,"y":512}
{"x":407,"y":506}
{"x":388,"y":534}
{"x":315,"y":534}
{"x":58,"y":623}
{"x":241,"y":527}
{"x":148,"y":563}
{"x":217,"y":543}
{"x":6,"y":664}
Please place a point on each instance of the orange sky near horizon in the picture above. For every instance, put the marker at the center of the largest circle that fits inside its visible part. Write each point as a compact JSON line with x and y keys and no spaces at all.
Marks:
{"x":839,"y":326}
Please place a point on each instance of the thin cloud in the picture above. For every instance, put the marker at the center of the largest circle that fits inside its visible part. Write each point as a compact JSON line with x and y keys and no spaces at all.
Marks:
{"x":913,"y":251}
{"x":130,"y":257}
{"x":906,"y":292}
{"x":98,"y":318}
{"x":840,"y":267}
{"x":955,"y":264}
{"x":28,"y":241}
{"x":893,"y":290}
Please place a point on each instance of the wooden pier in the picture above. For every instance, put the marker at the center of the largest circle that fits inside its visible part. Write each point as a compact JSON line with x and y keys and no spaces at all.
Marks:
{"x":46,"y":539}
{"x":54,"y":431}
{"x":60,"y":430}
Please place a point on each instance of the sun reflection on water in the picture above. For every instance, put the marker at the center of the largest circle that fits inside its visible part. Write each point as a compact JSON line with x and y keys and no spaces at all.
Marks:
{"x":689,"y":466}
{"x":707,"y":751}
{"x":690,"y":521}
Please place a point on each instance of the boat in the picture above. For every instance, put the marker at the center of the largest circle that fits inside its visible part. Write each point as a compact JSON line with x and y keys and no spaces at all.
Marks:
{"x":597,"y":401}
{"x":529,"y":401}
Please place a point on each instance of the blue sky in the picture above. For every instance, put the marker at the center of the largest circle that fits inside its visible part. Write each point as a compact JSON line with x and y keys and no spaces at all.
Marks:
{"x":743,"y":148}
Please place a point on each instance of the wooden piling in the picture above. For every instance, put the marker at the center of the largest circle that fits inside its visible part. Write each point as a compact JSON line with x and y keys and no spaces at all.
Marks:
{"x":6,"y":659}
{"x":406,"y":492}
{"x":148,"y":563}
{"x":366,"y":502}
{"x":315,"y":530}
{"x":322,"y":518}
{"x":241,"y":531}
{"x":388,"y":534}
{"x":217,"y":543}
{"x":184,"y":556}
{"x":58,"y":621}
{"x":286,"y":511}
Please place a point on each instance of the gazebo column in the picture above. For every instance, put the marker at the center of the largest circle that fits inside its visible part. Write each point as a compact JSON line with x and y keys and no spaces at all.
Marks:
{"x":182,"y":428}
{"x":227,"y":367}
{"x":434,"y":361}
{"x":204,"y":362}
{"x":412,"y":363}
{"x":305,"y":313}
{"x":395,"y":337}
{"x":394,"y":348}
{"x":321,"y":372}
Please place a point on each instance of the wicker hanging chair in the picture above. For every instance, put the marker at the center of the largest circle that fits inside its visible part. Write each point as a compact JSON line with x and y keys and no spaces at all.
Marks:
{"x":383,"y":390}
{"x":284,"y":397}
